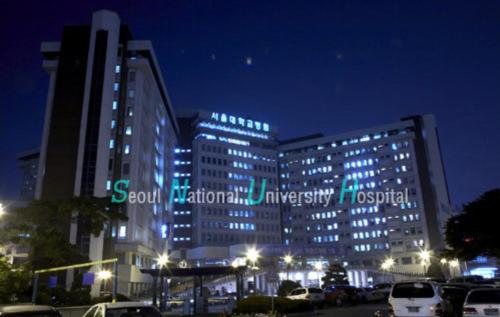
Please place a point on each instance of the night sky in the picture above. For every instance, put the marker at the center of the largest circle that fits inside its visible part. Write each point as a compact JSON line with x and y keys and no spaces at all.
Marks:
{"x":304,"y":66}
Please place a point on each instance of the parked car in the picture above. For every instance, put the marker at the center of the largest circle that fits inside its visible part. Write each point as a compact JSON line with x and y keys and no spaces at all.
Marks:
{"x":475,"y":279}
{"x":312,"y":294}
{"x":382,"y":290}
{"x":28,"y":311}
{"x":417,"y":298}
{"x":372,"y":295}
{"x":123,"y":309}
{"x":341,"y":294}
{"x":482,"y":302}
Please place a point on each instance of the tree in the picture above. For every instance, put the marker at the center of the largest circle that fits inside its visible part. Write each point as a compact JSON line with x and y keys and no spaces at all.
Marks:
{"x":335,"y":275}
{"x":286,"y":287}
{"x":43,"y":226}
{"x":14,"y":283}
{"x":475,"y":232}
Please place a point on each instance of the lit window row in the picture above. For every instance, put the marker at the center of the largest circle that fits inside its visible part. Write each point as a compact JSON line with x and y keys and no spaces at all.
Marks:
{"x":368,"y":234}
{"x":326,"y":239}
{"x":182,"y":212}
{"x":324,"y":215}
{"x":358,"y":163}
{"x":182,"y":239}
{"x":178,"y":150}
{"x":246,"y":154}
{"x":368,"y":247}
{"x":366,"y":222}
{"x":182,"y":225}
{"x":364,"y":210}
{"x":176,"y":174}
{"x":241,"y":213}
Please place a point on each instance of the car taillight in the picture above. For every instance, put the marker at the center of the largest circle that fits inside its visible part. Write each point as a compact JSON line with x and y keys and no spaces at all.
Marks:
{"x":470,"y":311}
{"x":438,"y":310}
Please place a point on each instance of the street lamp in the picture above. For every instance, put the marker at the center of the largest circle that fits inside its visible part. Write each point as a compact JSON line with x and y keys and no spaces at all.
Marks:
{"x":162,"y":261}
{"x":288,"y":261}
{"x":388,"y":264}
{"x":443,"y":261}
{"x":2,"y":211}
{"x":235,"y":264}
{"x":425,"y":256}
{"x":104,"y":275}
{"x":454,"y":263}
{"x":252,"y":255}
{"x":318,"y":266}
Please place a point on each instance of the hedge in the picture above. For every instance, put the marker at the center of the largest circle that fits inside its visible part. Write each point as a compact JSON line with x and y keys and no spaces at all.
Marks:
{"x":262,"y":304}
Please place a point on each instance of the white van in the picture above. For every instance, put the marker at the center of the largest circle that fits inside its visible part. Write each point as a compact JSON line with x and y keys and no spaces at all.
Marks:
{"x":482,"y":302}
{"x":416,"y":298}
{"x":312,"y":294}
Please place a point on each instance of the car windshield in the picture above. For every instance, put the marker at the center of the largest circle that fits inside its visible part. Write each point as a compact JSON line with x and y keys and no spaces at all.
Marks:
{"x":484,"y":297}
{"x":47,"y":313}
{"x":315,"y":290}
{"x":133,"y":312}
{"x":412,"y":290}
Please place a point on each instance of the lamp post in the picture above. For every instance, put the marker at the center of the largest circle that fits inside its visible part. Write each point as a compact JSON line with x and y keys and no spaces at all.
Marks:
{"x":288,"y":262}
{"x":453,"y":265}
{"x":425,"y":256}
{"x":387,"y":265}
{"x":318,"y":266}
{"x":162,"y":262}
{"x":252,"y":255}
{"x":104,"y":276}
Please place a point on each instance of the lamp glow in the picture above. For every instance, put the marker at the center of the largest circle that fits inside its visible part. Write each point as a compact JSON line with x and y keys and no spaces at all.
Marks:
{"x":104,"y":275}
{"x":425,"y":256}
{"x":388,"y":264}
{"x":252,"y":255}
{"x":162,"y":260}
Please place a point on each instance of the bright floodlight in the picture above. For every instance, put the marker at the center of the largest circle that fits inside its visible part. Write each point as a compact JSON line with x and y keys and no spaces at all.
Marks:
{"x":234,"y":264}
{"x":288,"y":259}
{"x":252,"y":255}
{"x":318,"y":266}
{"x":162,"y":260}
{"x":388,"y":264}
{"x":443,"y":261}
{"x":104,"y":275}
{"x":454,"y":263}
{"x":425,"y":255}
{"x":2,"y":211}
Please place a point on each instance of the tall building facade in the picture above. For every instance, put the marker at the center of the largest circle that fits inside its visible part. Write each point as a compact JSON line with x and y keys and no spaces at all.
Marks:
{"x":405,"y":157}
{"x":28,"y":164}
{"x":109,"y":118}
{"x":221,"y":153}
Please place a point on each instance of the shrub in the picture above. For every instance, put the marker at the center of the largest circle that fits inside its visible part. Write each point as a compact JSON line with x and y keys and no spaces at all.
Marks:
{"x":262,"y":304}
{"x":286,"y":287}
